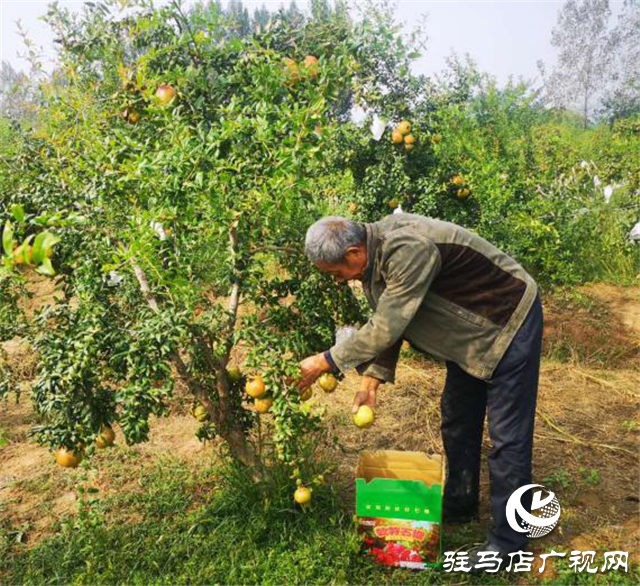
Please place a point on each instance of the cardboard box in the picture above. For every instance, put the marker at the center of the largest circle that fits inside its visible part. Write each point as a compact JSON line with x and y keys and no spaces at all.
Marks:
{"x":399,"y":507}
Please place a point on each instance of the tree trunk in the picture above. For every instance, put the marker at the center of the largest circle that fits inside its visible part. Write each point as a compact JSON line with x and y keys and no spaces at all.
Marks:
{"x":243,"y":452}
{"x":585,"y":109}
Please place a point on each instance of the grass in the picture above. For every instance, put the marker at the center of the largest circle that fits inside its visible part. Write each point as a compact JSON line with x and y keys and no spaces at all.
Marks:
{"x":213,"y":526}
{"x":630,"y":425}
{"x":582,"y":329}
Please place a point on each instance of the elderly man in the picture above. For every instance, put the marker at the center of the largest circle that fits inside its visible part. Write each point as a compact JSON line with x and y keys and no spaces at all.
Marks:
{"x":456,"y":297}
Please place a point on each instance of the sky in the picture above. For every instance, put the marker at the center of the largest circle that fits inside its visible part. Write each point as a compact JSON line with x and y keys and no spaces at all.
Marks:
{"x":504,"y":37}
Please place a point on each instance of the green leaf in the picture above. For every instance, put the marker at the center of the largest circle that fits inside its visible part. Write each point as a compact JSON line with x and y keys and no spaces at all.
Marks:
{"x":49,"y":240}
{"x":44,"y":241}
{"x":46,"y":268}
{"x":38,"y":249}
{"x":18,"y":212}
{"x":7,"y":239}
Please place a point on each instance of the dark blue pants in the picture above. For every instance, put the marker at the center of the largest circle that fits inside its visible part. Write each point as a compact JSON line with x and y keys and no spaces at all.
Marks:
{"x":509,"y":400}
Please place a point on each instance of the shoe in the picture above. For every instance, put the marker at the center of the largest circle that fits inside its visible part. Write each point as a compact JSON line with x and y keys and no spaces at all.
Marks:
{"x":488,"y":562}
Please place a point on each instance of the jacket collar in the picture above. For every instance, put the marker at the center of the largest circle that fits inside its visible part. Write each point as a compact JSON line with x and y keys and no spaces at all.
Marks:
{"x":373,"y":242}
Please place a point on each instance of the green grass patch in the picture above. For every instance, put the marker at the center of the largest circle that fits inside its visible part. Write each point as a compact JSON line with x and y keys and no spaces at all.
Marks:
{"x":214,"y":526}
{"x":4,"y":439}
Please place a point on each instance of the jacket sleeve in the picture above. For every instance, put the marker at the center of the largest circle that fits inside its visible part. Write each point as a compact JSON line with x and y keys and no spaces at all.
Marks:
{"x":409,"y":263}
{"x":383,"y":366}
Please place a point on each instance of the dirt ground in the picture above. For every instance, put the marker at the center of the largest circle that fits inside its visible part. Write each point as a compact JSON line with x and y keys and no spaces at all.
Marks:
{"x":586,"y":438}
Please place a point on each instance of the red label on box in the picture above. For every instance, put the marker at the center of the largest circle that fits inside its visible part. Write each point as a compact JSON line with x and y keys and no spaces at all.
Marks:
{"x":400,"y":542}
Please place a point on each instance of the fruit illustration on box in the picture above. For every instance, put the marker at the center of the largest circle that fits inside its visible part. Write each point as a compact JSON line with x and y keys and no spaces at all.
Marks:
{"x":400,"y":542}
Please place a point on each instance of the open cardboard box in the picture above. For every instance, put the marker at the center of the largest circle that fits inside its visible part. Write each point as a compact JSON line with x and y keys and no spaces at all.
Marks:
{"x":399,"y":507}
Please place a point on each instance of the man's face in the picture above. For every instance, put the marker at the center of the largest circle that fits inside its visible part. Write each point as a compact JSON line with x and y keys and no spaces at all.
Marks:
{"x":352,"y":266}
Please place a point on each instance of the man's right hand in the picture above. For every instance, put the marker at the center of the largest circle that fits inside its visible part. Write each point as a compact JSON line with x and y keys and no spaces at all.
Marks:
{"x":367,"y":394}
{"x":311,"y":368}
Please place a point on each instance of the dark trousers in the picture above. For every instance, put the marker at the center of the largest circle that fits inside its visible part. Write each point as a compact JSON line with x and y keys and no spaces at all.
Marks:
{"x":509,"y":399}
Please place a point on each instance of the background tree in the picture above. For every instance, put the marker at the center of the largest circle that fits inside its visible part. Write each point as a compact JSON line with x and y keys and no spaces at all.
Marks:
{"x":622,"y":95}
{"x":238,"y":18}
{"x":581,"y":36}
{"x":260,"y":18}
{"x":293,"y":15}
{"x":16,"y":94}
{"x":238,"y":22}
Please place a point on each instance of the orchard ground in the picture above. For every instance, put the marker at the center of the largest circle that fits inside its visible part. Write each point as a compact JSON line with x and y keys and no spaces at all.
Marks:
{"x":170,"y":511}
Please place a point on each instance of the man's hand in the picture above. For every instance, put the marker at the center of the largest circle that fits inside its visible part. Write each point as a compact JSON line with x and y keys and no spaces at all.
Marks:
{"x":367,"y":393}
{"x":311,"y":368}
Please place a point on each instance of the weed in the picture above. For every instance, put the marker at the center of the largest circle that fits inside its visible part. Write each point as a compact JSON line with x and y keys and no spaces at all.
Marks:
{"x":40,"y":484}
{"x":630,"y":425}
{"x":558,"y":479}
{"x":590,"y":475}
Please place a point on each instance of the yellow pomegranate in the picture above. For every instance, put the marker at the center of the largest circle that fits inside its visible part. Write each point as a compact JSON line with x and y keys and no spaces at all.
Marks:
{"x":311,"y":65}
{"x":133,"y":116}
{"x":263,"y":405}
{"x":302,"y":495}
{"x":328,"y":382}
{"x":291,"y":70}
{"x":255,"y":387}
{"x":68,"y":458}
{"x":106,"y":438}
{"x":404,"y":127}
{"x":364,"y":417}
{"x":165,"y":94}
{"x":234,"y":374}
{"x":200,"y":413}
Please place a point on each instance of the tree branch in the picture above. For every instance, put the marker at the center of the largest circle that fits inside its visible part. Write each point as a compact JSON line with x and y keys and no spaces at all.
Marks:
{"x":194,"y":58}
{"x":196,"y":388}
{"x":144,"y":286}
{"x":221,"y":414}
{"x":288,"y":249}
{"x":234,"y":298}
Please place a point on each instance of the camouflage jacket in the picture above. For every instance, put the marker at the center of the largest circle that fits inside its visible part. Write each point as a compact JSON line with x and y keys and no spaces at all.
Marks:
{"x":447,"y":291}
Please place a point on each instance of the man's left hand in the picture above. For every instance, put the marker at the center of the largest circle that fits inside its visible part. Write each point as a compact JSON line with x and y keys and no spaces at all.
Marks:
{"x":367,"y":394}
{"x":311,"y":368}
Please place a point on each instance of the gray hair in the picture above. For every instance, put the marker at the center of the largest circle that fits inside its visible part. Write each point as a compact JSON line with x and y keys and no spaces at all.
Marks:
{"x":329,"y":238}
